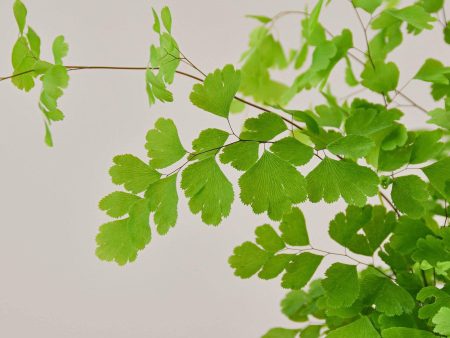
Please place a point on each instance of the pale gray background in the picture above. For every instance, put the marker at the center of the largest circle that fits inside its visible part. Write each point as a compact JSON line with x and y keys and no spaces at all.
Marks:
{"x":51,"y":283}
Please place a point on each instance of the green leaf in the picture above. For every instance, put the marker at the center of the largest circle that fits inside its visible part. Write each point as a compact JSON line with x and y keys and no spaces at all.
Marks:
{"x":293,"y":228}
{"x":60,"y":49}
{"x":272,"y":185}
{"x":352,"y":146}
{"x":20,"y":13}
{"x":387,"y":297}
{"x":35,"y":42}
{"x":300,"y":270}
{"x":410,"y":194}
{"x":208,"y":189}
{"x":217,"y":92}
{"x":121,"y":240}
{"x":132,"y":173}
{"x":442,"y":321}
{"x":247,"y":259}
{"x":156,"y":22}
{"x":440,"y":117}
{"x":54,"y":80}
{"x":439,"y":175}
{"x":368,"y":5}
{"x":279,"y":332}
{"x":293,"y":151}
{"x":156,"y":88}
{"x":414,"y":15}
{"x":263,"y":128}
{"x":208,"y":143}
{"x":433,"y":71}
{"x":432,"y":250}
{"x":332,"y":179}
{"x":426,"y":146}
{"x":261,"y":18}
{"x":350,"y":77}
{"x":23,"y":61}
{"x":434,"y":299}
{"x":401,"y":332}
{"x":268,"y":238}
{"x":275,"y":265}
{"x":362,"y":230}
{"x":406,"y":234}
{"x":361,"y":328}
{"x":118,"y":203}
{"x":241,"y":155}
{"x":312,"y":331}
{"x":163,"y":201}
{"x":341,"y":285}
{"x":380,"y":77}
{"x":166,"y":18}
{"x":163,"y":144}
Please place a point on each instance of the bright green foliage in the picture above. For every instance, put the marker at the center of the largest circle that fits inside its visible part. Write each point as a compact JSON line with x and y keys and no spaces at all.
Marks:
{"x":352,"y":146}
{"x":163,"y":201}
{"x":362,"y":230}
{"x":208,"y":190}
{"x":332,"y":179}
{"x":208,"y":143}
{"x":272,"y":185}
{"x":368,"y":5}
{"x":279,"y":332}
{"x":217,"y":92}
{"x":241,"y":155}
{"x":341,"y":285}
{"x":356,"y":147}
{"x":247,"y":259}
{"x":118,"y":203}
{"x":410,"y":194}
{"x":442,"y":321}
{"x":163,"y":144}
{"x":293,"y":151}
{"x":132,"y":173}
{"x":300,"y":271}
{"x":121,"y":240}
{"x":380,"y":77}
{"x":361,"y":328}
{"x":293,"y":228}
{"x":263,"y":128}
{"x":439,"y":175}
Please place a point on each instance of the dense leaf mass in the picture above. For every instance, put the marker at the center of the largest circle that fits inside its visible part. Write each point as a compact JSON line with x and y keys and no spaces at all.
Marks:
{"x":388,"y":275}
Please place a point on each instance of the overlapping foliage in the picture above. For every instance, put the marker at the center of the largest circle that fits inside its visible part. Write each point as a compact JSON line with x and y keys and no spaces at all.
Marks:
{"x":392,"y":277}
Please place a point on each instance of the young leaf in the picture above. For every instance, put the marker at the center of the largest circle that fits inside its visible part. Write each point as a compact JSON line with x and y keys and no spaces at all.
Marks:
{"x":380,"y":77}
{"x":208,"y":189}
{"x":439,"y":175}
{"x":414,"y":15}
{"x":121,"y":240}
{"x":361,"y":328}
{"x":166,"y":18}
{"x":208,"y":143}
{"x":300,"y":270}
{"x":132,"y":173}
{"x":272,"y":185}
{"x":156,"y":88}
{"x":433,"y":71}
{"x":217,"y":92}
{"x":352,"y":146}
{"x":163,"y":144}
{"x":163,"y":201}
{"x":368,"y":5}
{"x":440,"y":117}
{"x":293,"y":228}
{"x":23,"y":62}
{"x":118,"y":203}
{"x":247,"y":259}
{"x":279,"y":332}
{"x":35,"y":42}
{"x":362,"y":230}
{"x":268,"y":238}
{"x":442,"y":321}
{"x":293,"y":151}
{"x":156,"y":22}
{"x":241,"y":155}
{"x":20,"y":13}
{"x":332,"y":179}
{"x":60,"y":49}
{"x":341,"y":285}
{"x":410,"y":194}
{"x":263,"y":128}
